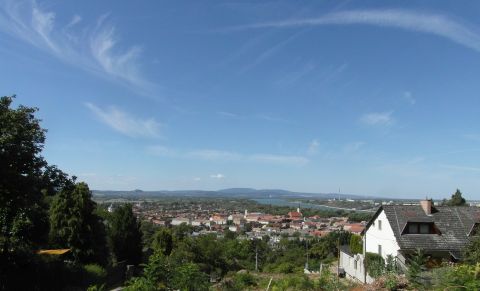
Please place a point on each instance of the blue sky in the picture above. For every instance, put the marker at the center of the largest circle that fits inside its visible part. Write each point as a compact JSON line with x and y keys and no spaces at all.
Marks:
{"x":366,"y":97}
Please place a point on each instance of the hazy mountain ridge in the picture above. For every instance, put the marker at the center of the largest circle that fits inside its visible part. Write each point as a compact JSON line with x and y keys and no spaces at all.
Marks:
{"x":237,"y":192}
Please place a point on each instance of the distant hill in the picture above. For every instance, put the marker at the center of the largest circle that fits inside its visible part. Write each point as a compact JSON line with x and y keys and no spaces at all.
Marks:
{"x":236,"y":192}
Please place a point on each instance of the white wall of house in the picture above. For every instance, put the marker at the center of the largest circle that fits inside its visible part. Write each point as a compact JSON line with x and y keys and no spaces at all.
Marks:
{"x":380,"y":233}
{"x":354,"y":268}
{"x":178,"y":221}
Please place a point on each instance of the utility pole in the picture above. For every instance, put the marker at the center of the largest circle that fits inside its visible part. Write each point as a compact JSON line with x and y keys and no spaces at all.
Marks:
{"x":306,"y":264}
{"x":270,"y":282}
{"x":256,"y":256}
{"x":338,"y":262}
{"x":365,"y":258}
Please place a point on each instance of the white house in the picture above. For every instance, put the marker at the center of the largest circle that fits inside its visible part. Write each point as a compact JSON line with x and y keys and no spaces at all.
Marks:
{"x":180,"y":220}
{"x":441,"y":232}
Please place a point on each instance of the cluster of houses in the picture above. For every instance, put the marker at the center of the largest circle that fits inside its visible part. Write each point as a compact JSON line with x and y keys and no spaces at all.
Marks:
{"x":256,"y":224}
{"x":440,"y":232}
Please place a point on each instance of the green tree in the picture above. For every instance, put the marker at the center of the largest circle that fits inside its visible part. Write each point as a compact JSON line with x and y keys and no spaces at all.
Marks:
{"x":188,"y":277}
{"x":456,"y":199}
{"x":416,"y":263}
{"x":375,"y":264}
{"x":472,"y":252}
{"x":23,"y":207}
{"x":356,"y":244}
{"x":158,"y":270}
{"x":22,"y":211}
{"x":125,"y":237}
{"x":74,"y":225}
{"x":163,"y":241}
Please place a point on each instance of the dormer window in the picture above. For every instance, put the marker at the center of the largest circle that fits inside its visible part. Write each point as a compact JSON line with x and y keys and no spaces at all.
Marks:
{"x":420,"y":228}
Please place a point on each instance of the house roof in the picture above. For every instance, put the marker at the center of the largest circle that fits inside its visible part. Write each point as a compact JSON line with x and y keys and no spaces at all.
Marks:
{"x":354,"y":227}
{"x":453,"y":222}
{"x":295,"y":214}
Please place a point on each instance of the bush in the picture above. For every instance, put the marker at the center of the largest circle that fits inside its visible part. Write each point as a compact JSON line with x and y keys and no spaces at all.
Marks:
{"x":243,"y":280}
{"x":240,"y":281}
{"x":415,"y":265}
{"x":140,"y":283}
{"x":356,"y":244}
{"x":94,"y":274}
{"x":375,"y":264}
{"x":285,"y":268}
{"x":293,"y":283}
{"x":97,"y":288}
{"x":460,"y":277}
{"x":391,"y":281}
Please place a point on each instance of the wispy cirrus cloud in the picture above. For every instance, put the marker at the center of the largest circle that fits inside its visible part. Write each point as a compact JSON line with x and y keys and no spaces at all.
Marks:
{"x":279,"y":159}
{"x":430,"y":23}
{"x":217,"y":176}
{"x":214,"y":155}
{"x":461,"y":168}
{"x":313,"y":147}
{"x":378,"y":118}
{"x":268,"y":53}
{"x":228,"y":156}
{"x":126,"y":124}
{"x":94,"y":48}
{"x":163,"y":151}
{"x":259,"y":116}
{"x":353,"y":147}
{"x":472,"y":136}
{"x":408,"y":96}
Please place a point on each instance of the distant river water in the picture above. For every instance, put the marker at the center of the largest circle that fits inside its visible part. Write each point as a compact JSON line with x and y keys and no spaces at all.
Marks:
{"x":284,"y":202}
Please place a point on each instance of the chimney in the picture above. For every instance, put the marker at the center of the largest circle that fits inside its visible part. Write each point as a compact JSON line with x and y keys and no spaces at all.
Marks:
{"x":427,"y":206}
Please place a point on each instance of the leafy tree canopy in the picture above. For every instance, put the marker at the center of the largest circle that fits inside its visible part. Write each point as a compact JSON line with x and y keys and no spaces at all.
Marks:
{"x":74,"y":224}
{"x":456,"y":199}
{"x":125,"y":237}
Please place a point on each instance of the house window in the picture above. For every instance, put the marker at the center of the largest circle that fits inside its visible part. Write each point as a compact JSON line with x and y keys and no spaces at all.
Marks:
{"x":413,"y":228}
{"x":420,"y":228}
{"x":379,"y":224}
{"x":355,"y":264}
{"x":424,"y":228}
{"x":380,"y":250}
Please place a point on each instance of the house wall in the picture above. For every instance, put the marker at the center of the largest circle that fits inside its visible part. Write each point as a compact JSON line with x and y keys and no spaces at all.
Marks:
{"x":352,"y":270}
{"x":384,"y":237}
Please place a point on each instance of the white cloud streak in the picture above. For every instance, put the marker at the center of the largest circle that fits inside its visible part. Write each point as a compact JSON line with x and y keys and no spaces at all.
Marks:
{"x":260,"y":116}
{"x":408,"y":96}
{"x":378,"y":119}
{"x":472,"y":136}
{"x":313,"y":147}
{"x":353,"y":147}
{"x":436,"y":24}
{"x":217,"y":176}
{"x":214,"y":155}
{"x":126,"y":124}
{"x":279,"y":159}
{"x":228,"y":156}
{"x":461,"y":168}
{"x":93,"y":49}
